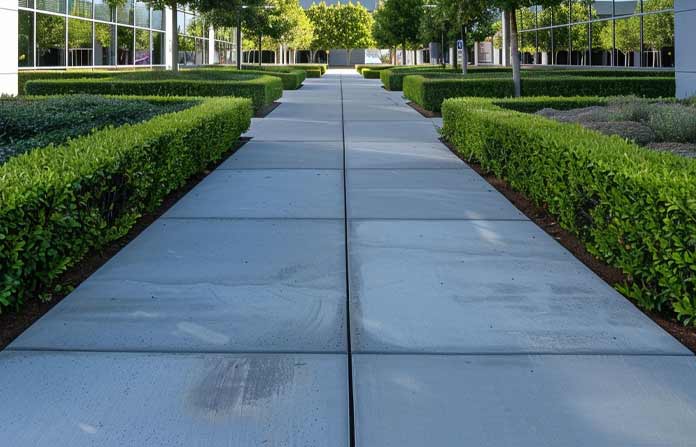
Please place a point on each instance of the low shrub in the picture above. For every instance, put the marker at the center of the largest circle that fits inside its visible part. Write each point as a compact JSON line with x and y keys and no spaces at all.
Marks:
{"x":292,"y":78}
{"x":429,"y":90}
{"x":31,"y":122}
{"x":360,"y":68}
{"x":393,"y":78}
{"x":673,"y":122}
{"x":369,"y":73}
{"x":632,"y":207}
{"x":26,"y":76}
{"x":59,"y":203}
{"x":261,"y":89}
{"x":312,"y":68}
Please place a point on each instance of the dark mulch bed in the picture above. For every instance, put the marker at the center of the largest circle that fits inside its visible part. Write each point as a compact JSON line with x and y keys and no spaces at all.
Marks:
{"x":263,"y":113}
{"x":422,"y":111}
{"x":12,"y":324}
{"x":612,"y":275}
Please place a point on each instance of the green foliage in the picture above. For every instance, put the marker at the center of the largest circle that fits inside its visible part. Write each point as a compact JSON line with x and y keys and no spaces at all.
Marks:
{"x":393,"y":78}
{"x":312,"y":68}
{"x":292,"y":77}
{"x":57,"y":204}
{"x":25,"y":76}
{"x":430,"y":90}
{"x":397,"y":22}
{"x":324,"y":21}
{"x":673,"y":122}
{"x":28,"y":123}
{"x":355,"y":23}
{"x":374,"y":67}
{"x":633,"y":208}
{"x":261,"y":89}
{"x":369,"y":73}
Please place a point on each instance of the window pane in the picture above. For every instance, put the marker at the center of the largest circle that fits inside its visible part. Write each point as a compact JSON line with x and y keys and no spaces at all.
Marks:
{"x":80,"y":8}
{"x":545,"y":47}
{"x":26,"y":3}
{"x":626,"y":7}
{"x":602,"y":42}
{"x":142,"y":47}
{"x":628,"y":42}
{"x":102,"y":10}
{"x":658,"y":40}
{"x":560,"y":14}
{"x":125,"y":45}
{"x":158,"y":48}
{"x":124,"y":14}
{"x":602,"y":9}
{"x":26,"y":39}
{"x":50,"y":40}
{"x":157,"y":19}
{"x":528,"y":46}
{"x":580,"y":43}
{"x":580,"y":11}
{"x":142,"y":15}
{"x":79,"y":42}
{"x":181,"y":22}
{"x":51,"y":5}
{"x":104,"y":47}
{"x":657,"y":5}
{"x":560,"y":42}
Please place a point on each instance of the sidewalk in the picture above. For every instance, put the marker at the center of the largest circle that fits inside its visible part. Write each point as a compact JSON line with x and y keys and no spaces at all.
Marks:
{"x":242,"y":318}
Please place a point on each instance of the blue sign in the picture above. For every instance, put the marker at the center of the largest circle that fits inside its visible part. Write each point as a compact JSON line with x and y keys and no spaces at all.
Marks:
{"x":460,"y":44}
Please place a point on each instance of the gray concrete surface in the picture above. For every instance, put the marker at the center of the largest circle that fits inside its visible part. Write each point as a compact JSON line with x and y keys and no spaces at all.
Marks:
{"x":224,"y":323}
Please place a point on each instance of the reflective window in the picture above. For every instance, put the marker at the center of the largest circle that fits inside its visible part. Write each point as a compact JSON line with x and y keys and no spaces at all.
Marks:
{"x":50,"y":40}
{"x":157,"y":19}
{"x":51,"y":5}
{"x":158,"y":48}
{"x":142,"y":14}
{"x":124,"y":14}
{"x":104,"y":44}
{"x":79,"y":42}
{"x":80,"y":8}
{"x":142,"y":47}
{"x":102,"y":10}
{"x":26,"y":39}
{"x":125,"y":39}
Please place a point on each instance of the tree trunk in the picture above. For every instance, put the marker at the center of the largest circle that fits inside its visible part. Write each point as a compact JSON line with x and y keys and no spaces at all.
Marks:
{"x":415,"y":57}
{"x":514,"y":53}
{"x":350,"y":53}
{"x":465,"y":52}
{"x":442,"y":49}
{"x":403,"y":53}
{"x":175,"y":40}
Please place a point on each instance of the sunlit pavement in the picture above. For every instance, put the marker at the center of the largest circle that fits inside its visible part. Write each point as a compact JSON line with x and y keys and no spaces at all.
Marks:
{"x":345,"y":253}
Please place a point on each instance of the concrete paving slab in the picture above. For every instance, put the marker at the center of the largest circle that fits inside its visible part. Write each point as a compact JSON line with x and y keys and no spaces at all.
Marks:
{"x":425,"y":194}
{"x":524,"y":401}
{"x":315,"y":111}
{"x":287,"y":155}
{"x":116,"y":400}
{"x":388,"y":131}
{"x":297,"y":129}
{"x":401,"y":155}
{"x":388,"y":111}
{"x":478,"y":287}
{"x":210,"y":286}
{"x":272,"y":193}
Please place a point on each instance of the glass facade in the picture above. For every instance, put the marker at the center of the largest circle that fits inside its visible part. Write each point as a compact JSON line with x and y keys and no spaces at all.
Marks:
{"x":618,"y":33}
{"x":84,"y":33}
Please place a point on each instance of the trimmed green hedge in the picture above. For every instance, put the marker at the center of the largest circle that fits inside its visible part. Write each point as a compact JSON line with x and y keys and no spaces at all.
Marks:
{"x":312,"y":68}
{"x":429,"y":91}
{"x":393,"y":78}
{"x":26,"y":76}
{"x":292,"y":78}
{"x":369,"y":73}
{"x":632,"y":207}
{"x":360,"y":68}
{"x":58,"y":205}
{"x":261,"y":89}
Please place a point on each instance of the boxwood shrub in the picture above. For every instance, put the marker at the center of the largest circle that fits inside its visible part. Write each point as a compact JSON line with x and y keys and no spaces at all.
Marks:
{"x":292,"y":78}
{"x":58,"y":205}
{"x":312,"y":69}
{"x":369,"y":73}
{"x":430,"y":90}
{"x":632,"y":207}
{"x":25,"y":76}
{"x":360,"y":68}
{"x":261,"y":89}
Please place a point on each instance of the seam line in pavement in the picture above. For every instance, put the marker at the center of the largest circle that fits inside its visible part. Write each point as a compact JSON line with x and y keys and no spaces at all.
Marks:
{"x":172,"y":351}
{"x":349,"y":347}
{"x":216,"y":218}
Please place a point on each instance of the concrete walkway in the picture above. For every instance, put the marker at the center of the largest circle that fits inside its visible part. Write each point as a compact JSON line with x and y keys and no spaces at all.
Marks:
{"x":345,"y":279}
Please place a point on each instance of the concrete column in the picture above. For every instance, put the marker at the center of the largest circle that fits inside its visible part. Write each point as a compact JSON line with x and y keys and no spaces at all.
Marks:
{"x":685,"y":36}
{"x":506,"y":41}
{"x":9,"y":54}
{"x":452,"y":55}
{"x":211,"y":46}
{"x":476,"y":53}
{"x":168,"y":37}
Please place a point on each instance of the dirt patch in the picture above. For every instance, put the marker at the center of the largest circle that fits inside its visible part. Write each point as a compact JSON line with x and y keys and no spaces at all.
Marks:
{"x":422,"y":111}
{"x":12,"y":324}
{"x":611,"y":275}
{"x":684,"y":149}
{"x":263,"y":113}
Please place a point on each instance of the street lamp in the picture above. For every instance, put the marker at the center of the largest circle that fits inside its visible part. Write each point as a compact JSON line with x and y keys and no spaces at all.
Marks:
{"x":239,"y":31}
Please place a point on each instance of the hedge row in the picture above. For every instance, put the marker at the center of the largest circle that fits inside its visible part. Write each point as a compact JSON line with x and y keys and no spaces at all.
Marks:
{"x":292,"y":78}
{"x":369,"y":73}
{"x":393,"y":78}
{"x":58,"y":205}
{"x":633,"y":208}
{"x":312,"y":69}
{"x":262,"y":90}
{"x":26,"y":76}
{"x":360,"y":68}
{"x":429,"y":91}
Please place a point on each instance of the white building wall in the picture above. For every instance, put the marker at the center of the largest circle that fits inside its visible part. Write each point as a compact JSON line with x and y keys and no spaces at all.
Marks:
{"x":169,"y":36}
{"x":685,"y":37}
{"x":9,"y":30}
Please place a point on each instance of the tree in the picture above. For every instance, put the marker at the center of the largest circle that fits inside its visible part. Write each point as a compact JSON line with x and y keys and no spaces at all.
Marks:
{"x":301,"y":34}
{"x":175,"y":5}
{"x":326,"y":34}
{"x":355,"y":23}
{"x":509,"y":8}
{"x":474,"y":18}
{"x":400,"y":22}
